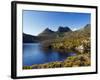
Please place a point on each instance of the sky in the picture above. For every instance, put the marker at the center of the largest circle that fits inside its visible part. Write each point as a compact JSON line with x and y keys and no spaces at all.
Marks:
{"x":34,"y":22}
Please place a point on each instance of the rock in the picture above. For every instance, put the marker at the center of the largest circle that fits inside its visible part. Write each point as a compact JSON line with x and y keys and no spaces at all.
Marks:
{"x":64,"y":29}
{"x":80,"y":48}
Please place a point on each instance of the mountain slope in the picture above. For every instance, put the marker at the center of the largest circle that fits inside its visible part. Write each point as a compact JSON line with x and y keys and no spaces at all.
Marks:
{"x":62,"y":33}
{"x":29,"y":38}
{"x":71,"y":40}
{"x":47,"y":34}
{"x":64,"y":29}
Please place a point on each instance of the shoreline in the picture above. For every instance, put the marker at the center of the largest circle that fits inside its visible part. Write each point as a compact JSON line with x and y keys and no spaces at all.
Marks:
{"x":72,"y":61}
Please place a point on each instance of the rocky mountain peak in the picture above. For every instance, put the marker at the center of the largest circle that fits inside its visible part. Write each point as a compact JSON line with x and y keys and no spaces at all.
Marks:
{"x":47,"y":30}
{"x":88,"y":25}
{"x":64,"y":29}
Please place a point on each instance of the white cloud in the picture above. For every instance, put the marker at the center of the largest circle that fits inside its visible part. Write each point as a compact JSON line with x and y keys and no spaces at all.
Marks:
{"x":74,"y":29}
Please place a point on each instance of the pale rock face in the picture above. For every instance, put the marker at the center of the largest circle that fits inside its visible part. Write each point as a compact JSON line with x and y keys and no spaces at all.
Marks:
{"x":81,"y":47}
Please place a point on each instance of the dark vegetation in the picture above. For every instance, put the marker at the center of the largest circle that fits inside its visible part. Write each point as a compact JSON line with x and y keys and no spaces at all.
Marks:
{"x":29,"y":38}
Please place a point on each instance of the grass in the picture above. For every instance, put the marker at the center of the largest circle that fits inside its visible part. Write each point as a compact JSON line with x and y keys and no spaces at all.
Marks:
{"x":73,"y":61}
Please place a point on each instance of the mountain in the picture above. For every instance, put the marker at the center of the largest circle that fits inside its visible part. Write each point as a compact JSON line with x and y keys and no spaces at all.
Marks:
{"x":79,"y":39}
{"x":83,"y":32}
{"x":64,"y":29}
{"x":62,"y":32}
{"x":87,"y":26}
{"x":46,"y":32}
{"x":27,"y":38}
{"x":49,"y":34}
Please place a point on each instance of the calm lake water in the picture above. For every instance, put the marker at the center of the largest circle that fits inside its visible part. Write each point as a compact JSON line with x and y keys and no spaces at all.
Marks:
{"x":34,"y":54}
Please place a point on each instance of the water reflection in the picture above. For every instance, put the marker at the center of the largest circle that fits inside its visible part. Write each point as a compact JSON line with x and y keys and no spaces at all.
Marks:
{"x":34,"y":54}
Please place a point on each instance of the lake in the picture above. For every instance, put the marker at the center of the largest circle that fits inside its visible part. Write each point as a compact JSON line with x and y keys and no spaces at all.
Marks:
{"x":34,"y":54}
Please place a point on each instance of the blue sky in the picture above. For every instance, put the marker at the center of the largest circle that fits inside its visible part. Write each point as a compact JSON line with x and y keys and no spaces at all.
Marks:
{"x":34,"y":22}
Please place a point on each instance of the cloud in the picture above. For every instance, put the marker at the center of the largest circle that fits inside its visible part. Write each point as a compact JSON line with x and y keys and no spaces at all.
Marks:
{"x":74,"y":29}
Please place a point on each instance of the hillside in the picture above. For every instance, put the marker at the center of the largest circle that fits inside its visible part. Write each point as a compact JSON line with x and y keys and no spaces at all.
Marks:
{"x":62,"y":34}
{"x":64,"y":29}
{"x":47,"y":34}
{"x":79,"y":39}
{"x":27,"y":38}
